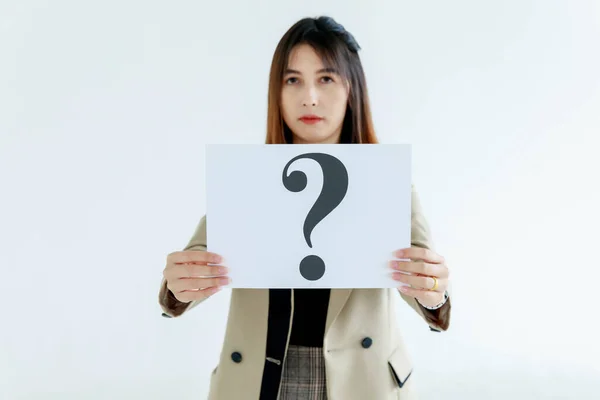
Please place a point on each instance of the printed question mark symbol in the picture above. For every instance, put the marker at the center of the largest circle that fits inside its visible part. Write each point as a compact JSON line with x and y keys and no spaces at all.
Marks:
{"x":335,"y":186}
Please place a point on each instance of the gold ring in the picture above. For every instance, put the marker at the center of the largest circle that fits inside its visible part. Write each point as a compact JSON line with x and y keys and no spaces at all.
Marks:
{"x":435,"y":283}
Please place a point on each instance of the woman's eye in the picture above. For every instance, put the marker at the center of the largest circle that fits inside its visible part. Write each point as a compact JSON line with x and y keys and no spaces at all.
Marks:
{"x":327,"y":79}
{"x":290,"y":81}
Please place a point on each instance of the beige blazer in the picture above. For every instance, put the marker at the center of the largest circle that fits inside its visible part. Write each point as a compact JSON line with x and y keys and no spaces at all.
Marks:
{"x":379,"y":372}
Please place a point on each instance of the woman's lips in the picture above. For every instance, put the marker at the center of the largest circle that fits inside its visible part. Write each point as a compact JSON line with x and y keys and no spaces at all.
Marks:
{"x":310,"y":119}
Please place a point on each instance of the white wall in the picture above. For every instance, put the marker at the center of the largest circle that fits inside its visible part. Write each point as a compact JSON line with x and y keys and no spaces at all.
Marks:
{"x":104,"y":111}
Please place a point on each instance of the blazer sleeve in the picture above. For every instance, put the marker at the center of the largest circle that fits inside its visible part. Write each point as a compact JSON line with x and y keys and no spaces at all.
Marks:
{"x":438,"y":320}
{"x":170,"y":305}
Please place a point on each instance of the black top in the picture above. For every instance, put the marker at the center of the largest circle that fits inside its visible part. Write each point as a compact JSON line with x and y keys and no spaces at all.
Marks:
{"x":310,"y":314}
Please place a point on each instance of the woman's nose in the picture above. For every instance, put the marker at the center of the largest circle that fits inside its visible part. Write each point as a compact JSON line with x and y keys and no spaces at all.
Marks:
{"x":310,"y":98}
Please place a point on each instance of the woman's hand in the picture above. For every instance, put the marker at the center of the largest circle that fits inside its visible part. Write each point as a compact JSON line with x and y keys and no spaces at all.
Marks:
{"x":190,"y":277}
{"x":426,"y":273}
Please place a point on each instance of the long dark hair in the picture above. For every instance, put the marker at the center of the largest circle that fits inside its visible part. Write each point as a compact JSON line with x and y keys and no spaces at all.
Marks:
{"x":339,"y":50}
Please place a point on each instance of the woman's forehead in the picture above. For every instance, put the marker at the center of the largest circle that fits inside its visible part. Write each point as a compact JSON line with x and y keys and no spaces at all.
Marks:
{"x":304,"y":58}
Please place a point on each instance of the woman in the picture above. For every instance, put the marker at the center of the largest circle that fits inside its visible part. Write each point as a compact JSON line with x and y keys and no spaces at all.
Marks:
{"x":314,"y":344}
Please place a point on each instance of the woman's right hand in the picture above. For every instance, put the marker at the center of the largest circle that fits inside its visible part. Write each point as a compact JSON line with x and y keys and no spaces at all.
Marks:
{"x":190,"y":278}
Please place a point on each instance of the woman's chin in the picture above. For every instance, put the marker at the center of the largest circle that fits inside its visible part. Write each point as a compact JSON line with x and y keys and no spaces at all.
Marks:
{"x":315,"y":136}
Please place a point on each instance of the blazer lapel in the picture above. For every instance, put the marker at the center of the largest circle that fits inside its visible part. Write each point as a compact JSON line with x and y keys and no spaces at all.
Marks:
{"x":337,"y":300}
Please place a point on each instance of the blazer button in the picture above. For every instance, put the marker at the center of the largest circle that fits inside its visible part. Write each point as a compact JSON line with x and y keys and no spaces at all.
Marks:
{"x":236,"y":357}
{"x":367,"y":342}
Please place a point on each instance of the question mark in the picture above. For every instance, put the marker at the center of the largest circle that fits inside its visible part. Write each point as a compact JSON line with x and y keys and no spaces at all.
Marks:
{"x":335,"y":186}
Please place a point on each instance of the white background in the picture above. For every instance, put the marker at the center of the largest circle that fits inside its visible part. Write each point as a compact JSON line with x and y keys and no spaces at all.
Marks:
{"x":104,"y":111}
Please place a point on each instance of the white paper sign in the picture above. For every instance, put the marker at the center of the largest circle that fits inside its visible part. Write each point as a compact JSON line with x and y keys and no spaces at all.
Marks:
{"x":308,"y":216}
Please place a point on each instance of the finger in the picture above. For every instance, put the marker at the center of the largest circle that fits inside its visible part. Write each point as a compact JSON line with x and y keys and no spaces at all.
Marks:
{"x":188,"y":296}
{"x":199,"y":271}
{"x":421,"y":282}
{"x":178,"y":271}
{"x":181,"y":285}
{"x":427,"y":296}
{"x":421,"y":268}
{"x":420,"y":253}
{"x":183,"y":257}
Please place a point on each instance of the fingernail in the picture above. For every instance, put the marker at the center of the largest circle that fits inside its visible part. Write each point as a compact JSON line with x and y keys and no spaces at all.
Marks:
{"x":223,"y":270}
{"x":216,"y":258}
{"x":400,"y":253}
{"x":224,"y":281}
{"x":403,"y":289}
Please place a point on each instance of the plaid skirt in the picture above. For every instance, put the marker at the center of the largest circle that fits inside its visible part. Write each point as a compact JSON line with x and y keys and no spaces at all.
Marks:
{"x":303,"y":376}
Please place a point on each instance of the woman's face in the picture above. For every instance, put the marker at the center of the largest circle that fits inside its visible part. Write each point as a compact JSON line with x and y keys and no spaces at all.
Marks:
{"x":313,"y":99}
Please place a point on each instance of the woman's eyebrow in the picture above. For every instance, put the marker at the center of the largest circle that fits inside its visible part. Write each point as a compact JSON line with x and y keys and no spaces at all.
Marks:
{"x":322,"y":70}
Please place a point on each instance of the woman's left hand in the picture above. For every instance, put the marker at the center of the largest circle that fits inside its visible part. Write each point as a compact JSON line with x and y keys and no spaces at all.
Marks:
{"x":426,"y":273}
